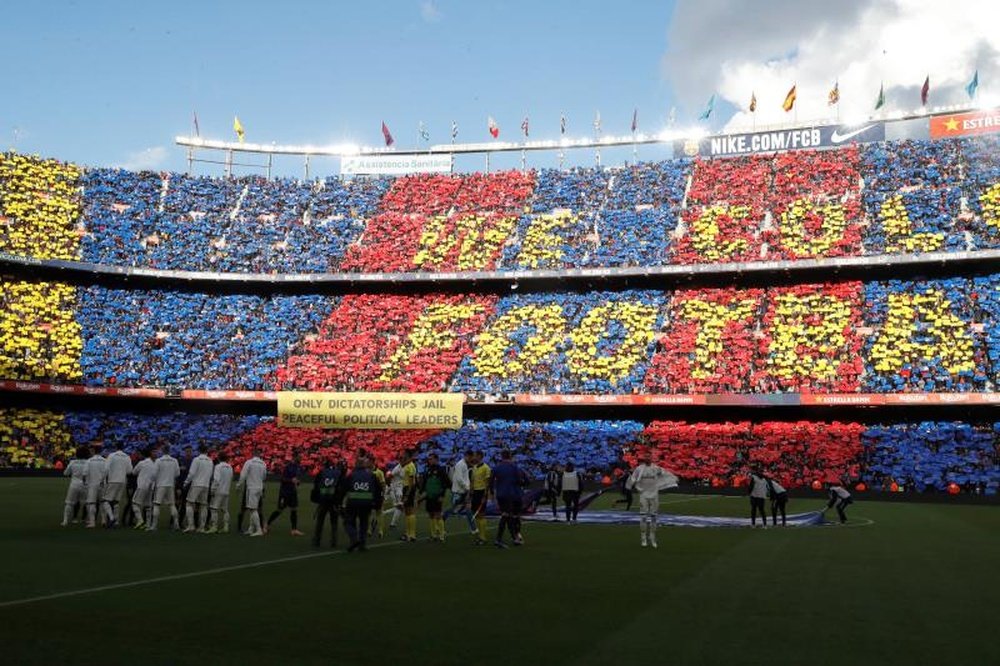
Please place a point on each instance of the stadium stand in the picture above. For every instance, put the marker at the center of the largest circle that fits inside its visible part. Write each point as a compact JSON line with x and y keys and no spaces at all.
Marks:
{"x":940,"y":335}
{"x":918,"y":457}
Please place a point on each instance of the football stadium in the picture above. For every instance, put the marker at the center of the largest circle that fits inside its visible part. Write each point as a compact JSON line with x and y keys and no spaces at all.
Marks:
{"x":715,"y":382}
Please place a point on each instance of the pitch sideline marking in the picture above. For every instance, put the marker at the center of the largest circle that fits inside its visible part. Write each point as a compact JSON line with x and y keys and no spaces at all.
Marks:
{"x":182,"y":576}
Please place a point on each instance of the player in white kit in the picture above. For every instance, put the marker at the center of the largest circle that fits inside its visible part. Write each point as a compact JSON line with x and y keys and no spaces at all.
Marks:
{"x":253,"y":475}
{"x":145,"y":479}
{"x":119,"y":467}
{"x":198,"y":480}
{"x":76,"y":470}
{"x":648,"y":479}
{"x":167,"y":471}
{"x":97,"y":472}
{"x":222,"y":481}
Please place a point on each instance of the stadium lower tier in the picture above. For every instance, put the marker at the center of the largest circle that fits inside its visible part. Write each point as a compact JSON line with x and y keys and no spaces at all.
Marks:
{"x":876,"y":337}
{"x":918,"y":456}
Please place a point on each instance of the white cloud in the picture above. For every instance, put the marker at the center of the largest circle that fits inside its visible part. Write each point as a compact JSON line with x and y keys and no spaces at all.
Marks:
{"x":148,"y":159}
{"x":735,"y":48}
{"x":429,"y":11}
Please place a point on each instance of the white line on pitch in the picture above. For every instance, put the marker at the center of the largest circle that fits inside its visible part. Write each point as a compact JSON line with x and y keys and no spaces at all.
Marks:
{"x":192,"y":574}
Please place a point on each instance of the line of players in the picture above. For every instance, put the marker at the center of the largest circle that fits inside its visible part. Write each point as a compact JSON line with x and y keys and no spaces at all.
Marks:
{"x":99,"y":480}
{"x":99,"y":483}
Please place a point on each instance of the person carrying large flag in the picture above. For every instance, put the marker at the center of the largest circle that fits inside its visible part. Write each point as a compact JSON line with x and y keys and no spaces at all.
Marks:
{"x":789,"y":102}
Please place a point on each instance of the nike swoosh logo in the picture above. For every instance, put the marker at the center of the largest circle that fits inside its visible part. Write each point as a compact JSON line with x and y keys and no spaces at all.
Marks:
{"x":837,"y":137}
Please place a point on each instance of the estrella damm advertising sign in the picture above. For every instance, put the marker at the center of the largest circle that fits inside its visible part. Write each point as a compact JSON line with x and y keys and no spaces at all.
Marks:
{"x":388,"y":411}
{"x":984,"y":121}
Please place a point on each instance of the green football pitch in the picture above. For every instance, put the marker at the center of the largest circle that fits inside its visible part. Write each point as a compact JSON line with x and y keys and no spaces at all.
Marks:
{"x":901,"y":583}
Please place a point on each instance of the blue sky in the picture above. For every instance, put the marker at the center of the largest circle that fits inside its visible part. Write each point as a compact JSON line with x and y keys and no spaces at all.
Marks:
{"x":111,"y":83}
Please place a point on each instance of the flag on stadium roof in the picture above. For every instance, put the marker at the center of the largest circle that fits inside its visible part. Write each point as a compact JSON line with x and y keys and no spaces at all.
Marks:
{"x":833,"y":97}
{"x":387,"y":135}
{"x":708,"y":108}
{"x":197,"y":130}
{"x":524,"y":126}
{"x":562,"y":124}
{"x":597,"y":122}
{"x":789,"y":99}
{"x":635,"y":119}
{"x":880,"y":102}
{"x":492,"y":126}
{"x":925,"y":90}
{"x":424,"y":134}
{"x":672,"y":118}
{"x":238,"y":128}
{"x":454,"y":130}
{"x":973,"y":85}
{"x":753,"y":102}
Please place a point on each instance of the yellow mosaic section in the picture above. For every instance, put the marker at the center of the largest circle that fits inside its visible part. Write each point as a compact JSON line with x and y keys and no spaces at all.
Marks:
{"x":491,"y":359}
{"x":39,"y":216}
{"x":39,"y":338}
{"x":990,"y":201}
{"x":792,"y":332}
{"x":542,"y":248}
{"x":792,"y":226}
{"x":478,"y":237}
{"x":39,"y":207}
{"x":583,"y":358}
{"x":899,"y":229}
{"x":32,"y":438}
{"x":433,"y":329}
{"x":713,"y":317}
{"x":930,"y":315}
{"x":705,"y":232}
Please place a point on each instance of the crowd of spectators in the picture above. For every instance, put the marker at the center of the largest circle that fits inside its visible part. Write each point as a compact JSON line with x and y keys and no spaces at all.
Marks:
{"x":39,"y":207}
{"x":891,"y":197}
{"x":564,"y":343}
{"x":933,"y":455}
{"x":233,"y":225}
{"x":388,"y":343}
{"x":914,"y":457}
{"x":875,"y":337}
{"x":191,"y":340}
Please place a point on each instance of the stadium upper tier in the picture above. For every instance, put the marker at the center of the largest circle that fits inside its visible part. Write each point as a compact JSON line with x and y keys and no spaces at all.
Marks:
{"x":872,"y":199}
{"x":939,"y":335}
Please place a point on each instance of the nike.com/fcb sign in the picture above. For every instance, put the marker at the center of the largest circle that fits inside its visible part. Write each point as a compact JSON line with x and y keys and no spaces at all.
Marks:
{"x":828,"y":136}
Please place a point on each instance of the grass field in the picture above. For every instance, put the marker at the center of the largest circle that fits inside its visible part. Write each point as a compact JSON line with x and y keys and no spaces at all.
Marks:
{"x":903,"y":583}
